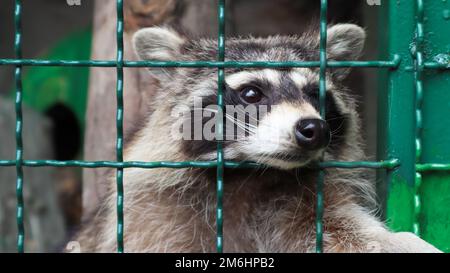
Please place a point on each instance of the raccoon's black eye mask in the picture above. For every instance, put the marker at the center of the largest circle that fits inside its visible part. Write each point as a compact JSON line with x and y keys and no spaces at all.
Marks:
{"x":337,"y":121}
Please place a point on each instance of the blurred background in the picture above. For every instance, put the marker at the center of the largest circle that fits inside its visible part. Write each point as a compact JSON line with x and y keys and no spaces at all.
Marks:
{"x":69,"y":112}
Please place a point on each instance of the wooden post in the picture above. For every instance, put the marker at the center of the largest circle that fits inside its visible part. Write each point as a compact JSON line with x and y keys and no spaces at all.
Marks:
{"x":44,"y":222}
{"x":100,"y":133}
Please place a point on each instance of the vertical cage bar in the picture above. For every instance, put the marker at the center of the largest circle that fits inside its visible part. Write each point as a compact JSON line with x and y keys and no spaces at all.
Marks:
{"x":220,"y":156}
{"x":418,"y":78}
{"x":396,"y":115}
{"x":19,"y":124}
{"x":119,"y":127}
{"x":322,"y":96}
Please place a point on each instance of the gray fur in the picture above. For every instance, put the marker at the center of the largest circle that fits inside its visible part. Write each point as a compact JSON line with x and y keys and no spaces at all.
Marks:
{"x":270,"y":210}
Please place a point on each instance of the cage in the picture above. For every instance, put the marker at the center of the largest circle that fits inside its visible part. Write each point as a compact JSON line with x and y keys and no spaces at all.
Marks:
{"x":412,"y":149}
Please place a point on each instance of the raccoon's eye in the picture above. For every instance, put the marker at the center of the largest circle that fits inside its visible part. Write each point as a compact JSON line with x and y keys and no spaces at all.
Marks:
{"x":251,"y":94}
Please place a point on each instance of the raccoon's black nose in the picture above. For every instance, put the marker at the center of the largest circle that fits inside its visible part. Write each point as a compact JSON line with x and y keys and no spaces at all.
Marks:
{"x":312,"y":134}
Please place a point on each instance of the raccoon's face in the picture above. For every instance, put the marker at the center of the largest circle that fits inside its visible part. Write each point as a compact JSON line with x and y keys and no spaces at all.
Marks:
{"x":271,"y":116}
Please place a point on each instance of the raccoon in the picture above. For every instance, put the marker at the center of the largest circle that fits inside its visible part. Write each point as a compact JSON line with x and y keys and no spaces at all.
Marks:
{"x":267,"y":209}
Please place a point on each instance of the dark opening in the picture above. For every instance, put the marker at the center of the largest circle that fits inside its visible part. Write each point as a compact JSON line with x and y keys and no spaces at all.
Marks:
{"x":66,"y":132}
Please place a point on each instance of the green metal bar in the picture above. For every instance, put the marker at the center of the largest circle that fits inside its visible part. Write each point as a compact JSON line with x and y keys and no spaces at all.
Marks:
{"x":393,"y":64}
{"x":435,"y":144}
{"x":396,"y":120}
{"x":220,"y":155}
{"x":322,"y":104}
{"x":119,"y":127}
{"x":417,"y":53}
{"x":433,"y":167}
{"x":19,"y":124}
{"x":385,"y":165}
{"x":433,"y":65}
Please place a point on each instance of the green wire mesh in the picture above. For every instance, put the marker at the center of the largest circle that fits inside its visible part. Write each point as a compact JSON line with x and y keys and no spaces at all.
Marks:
{"x":19,"y":125}
{"x":220,"y":164}
{"x":210,"y":64}
{"x":220,"y":155}
{"x":322,"y":109}
{"x":418,"y":76}
{"x":119,"y":126}
{"x":388,"y":164}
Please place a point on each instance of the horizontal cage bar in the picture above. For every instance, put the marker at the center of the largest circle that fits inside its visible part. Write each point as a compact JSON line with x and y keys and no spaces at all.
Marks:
{"x":393,"y":64}
{"x":433,"y":167}
{"x":388,"y":164}
{"x":197,"y":64}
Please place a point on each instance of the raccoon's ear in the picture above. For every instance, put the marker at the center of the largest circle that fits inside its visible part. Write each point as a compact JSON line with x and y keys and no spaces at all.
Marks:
{"x":158,"y":44}
{"x":345,"y":42}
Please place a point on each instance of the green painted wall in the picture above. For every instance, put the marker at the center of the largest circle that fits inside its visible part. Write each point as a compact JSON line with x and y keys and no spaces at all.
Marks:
{"x":47,"y":86}
{"x":397,"y":120}
{"x":435,"y":190}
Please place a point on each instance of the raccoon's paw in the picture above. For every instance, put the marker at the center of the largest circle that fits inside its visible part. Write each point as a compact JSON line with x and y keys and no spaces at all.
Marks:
{"x":406,"y":242}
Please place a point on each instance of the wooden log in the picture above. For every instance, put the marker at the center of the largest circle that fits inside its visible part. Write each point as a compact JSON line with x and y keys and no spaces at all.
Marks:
{"x":100,"y":135}
{"x":44,"y":221}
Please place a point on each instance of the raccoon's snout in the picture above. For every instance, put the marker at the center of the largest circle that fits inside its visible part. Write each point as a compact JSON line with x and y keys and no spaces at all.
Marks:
{"x":312,"y":134}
